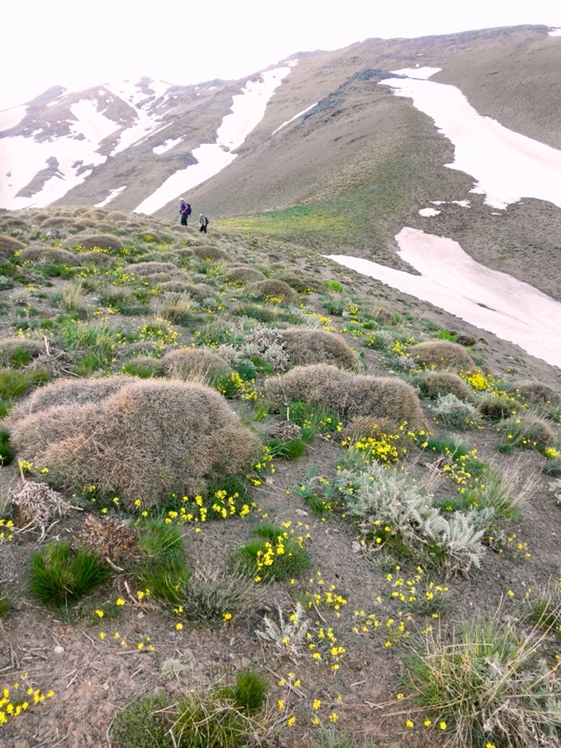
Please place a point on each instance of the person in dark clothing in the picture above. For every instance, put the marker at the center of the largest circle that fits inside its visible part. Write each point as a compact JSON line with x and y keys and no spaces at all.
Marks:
{"x":184,"y":211}
{"x":203,"y":220}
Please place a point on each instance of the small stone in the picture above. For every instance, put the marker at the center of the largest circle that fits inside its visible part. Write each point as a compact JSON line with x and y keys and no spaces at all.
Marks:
{"x":355,"y":546}
{"x":58,"y":650}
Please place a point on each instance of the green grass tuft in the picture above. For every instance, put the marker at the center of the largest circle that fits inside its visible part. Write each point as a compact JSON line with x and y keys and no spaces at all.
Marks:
{"x":60,"y":576}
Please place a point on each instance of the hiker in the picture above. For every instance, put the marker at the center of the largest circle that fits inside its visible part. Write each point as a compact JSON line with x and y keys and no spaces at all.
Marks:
{"x":184,"y":211}
{"x":203,"y":220}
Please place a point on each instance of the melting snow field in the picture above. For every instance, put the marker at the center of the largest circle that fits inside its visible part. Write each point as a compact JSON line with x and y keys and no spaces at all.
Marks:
{"x":452,"y":280}
{"x":111,"y":196}
{"x":21,"y":158}
{"x":506,"y":165}
{"x":248,"y":109}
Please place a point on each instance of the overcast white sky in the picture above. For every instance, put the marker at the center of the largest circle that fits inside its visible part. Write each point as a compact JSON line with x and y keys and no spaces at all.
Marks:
{"x":81,"y":44}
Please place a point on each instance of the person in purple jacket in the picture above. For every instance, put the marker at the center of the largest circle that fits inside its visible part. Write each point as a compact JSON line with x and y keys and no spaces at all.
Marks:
{"x":184,"y":211}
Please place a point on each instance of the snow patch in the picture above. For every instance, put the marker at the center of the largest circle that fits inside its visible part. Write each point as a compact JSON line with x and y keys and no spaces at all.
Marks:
{"x":111,"y":196}
{"x":288,"y":121}
{"x":491,"y":300}
{"x":248,"y":109}
{"x":506,"y":165}
{"x":422,"y":74}
{"x":554,"y":32}
{"x":93,"y":125}
{"x":428,"y":212}
{"x":158,"y":149}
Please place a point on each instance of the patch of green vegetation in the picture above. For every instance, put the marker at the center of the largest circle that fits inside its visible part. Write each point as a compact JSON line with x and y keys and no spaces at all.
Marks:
{"x":275,"y":554}
{"x":287,"y":450}
{"x":60,"y":575}
{"x":487,"y":687}
{"x":18,"y":383}
{"x":162,"y":568}
{"x":6,"y":451}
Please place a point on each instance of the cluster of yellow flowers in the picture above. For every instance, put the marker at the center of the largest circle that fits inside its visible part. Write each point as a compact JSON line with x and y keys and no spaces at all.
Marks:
{"x":16,"y":700}
{"x":6,"y":530}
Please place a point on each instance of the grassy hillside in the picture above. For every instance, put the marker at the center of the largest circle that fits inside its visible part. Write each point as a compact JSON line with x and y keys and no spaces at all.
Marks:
{"x":348,"y":175}
{"x":252,"y":498}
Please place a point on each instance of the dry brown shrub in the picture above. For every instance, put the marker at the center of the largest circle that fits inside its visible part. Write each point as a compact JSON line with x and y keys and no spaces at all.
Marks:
{"x":318,"y":347}
{"x":9,"y":345}
{"x":55,"y":222}
{"x":211,"y":253}
{"x":304,"y":282}
{"x":37,"y":504}
{"x":82,"y":223}
{"x":380,"y":312}
{"x":104,"y":226}
{"x":272,"y":289}
{"x":67,"y":392}
{"x":96,"y":258}
{"x":244,"y":274}
{"x":155,"y":256}
{"x":351,"y":395}
{"x":286,"y":431}
{"x":9,"y":245}
{"x":182,"y":254}
{"x":435,"y":383}
{"x":146,"y":269}
{"x":116,"y":215}
{"x":364,"y":426}
{"x":103,"y":241}
{"x":198,"y":291}
{"x":537,"y":393}
{"x":109,"y":537}
{"x":442,"y":354}
{"x":149,"y":439}
{"x":195,"y":364}
{"x":12,"y":222}
{"x":45,"y":255}
{"x":154,"y":236}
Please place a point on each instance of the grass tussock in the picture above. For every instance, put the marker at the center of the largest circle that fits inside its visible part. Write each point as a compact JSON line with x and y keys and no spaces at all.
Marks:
{"x":60,"y":575}
{"x":488,"y":686}
{"x":536,"y":393}
{"x":213,"y":595}
{"x":107,"y":242}
{"x":9,"y":245}
{"x":197,"y":291}
{"x":435,"y":383}
{"x":350,"y":395}
{"x":19,"y":351}
{"x":146,"y":440}
{"x":46,"y":254}
{"x":144,"y":269}
{"x":220,"y":716}
{"x":526,"y":430}
{"x":195,"y":364}
{"x":244,"y":274}
{"x":442,"y":354}
{"x":272,"y":289}
{"x":306,"y":347}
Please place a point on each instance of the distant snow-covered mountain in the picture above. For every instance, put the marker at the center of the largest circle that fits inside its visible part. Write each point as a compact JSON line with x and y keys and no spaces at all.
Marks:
{"x":125,"y":140}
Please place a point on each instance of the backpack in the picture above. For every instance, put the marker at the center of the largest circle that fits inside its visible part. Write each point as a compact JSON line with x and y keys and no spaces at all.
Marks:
{"x":187,"y":209}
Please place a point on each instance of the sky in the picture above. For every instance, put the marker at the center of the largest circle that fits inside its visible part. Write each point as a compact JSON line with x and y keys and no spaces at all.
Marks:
{"x":77,"y":45}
